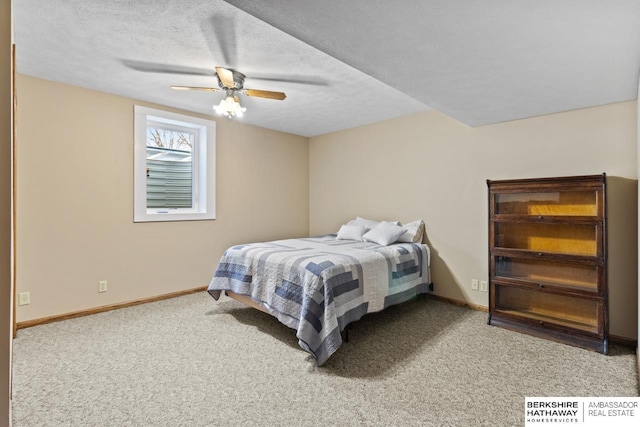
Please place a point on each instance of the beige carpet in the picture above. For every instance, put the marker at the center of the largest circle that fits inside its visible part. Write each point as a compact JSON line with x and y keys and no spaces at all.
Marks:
{"x":192,"y":361}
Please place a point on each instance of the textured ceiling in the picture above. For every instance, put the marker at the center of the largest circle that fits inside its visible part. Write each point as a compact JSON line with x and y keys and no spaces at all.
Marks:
{"x":479,"y":62}
{"x":342,"y":63}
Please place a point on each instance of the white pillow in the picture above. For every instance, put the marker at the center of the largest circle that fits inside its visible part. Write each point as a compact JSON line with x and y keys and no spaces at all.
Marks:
{"x":351,"y":232}
{"x":367,"y":223}
{"x":415,"y":230}
{"x":384,"y":233}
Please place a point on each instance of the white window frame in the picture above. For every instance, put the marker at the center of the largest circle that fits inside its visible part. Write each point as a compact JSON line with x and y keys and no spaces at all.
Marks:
{"x":204,"y":161}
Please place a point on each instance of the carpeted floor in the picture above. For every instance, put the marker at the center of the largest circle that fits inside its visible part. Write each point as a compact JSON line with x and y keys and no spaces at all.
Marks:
{"x":192,"y":361}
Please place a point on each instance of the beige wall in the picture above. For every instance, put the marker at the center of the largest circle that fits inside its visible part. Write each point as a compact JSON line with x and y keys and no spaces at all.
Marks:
{"x":75,"y":202}
{"x":5,"y":212}
{"x":432,"y":167}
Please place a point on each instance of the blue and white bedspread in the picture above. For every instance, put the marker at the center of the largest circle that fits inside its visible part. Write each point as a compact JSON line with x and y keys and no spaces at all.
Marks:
{"x":319,"y":285}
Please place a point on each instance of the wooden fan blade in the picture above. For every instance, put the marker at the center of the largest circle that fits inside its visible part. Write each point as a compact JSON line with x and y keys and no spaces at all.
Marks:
{"x":226,"y":77}
{"x":210,"y":89}
{"x":265,"y":94}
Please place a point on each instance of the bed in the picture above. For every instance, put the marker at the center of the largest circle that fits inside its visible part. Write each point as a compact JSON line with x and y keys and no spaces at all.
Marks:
{"x":319,"y":285}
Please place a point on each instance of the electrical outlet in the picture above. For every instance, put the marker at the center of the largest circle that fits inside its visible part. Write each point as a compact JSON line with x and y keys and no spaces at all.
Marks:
{"x":102,"y":286}
{"x":483,"y":286}
{"x":24,"y":298}
{"x":474,"y":284}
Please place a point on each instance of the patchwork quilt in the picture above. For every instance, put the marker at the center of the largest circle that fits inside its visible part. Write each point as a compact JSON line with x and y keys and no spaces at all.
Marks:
{"x":319,"y":285}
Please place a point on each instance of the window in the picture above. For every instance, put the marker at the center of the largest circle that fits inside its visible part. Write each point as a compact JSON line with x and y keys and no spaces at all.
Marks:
{"x":174,"y":166}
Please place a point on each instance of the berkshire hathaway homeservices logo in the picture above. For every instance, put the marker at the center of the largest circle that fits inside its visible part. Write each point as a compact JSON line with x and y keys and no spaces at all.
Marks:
{"x":582,"y":411}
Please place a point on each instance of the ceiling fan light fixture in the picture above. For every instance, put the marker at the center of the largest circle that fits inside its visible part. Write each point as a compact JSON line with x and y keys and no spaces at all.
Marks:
{"x":229,"y":107}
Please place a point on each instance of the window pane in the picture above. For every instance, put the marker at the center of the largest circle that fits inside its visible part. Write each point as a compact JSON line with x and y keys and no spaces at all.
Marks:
{"x":560,"y":203}
{"x":547,"y":272}
{"x":169,"y":137}
{"x":576,"y":239}
{"x":169,"y":166}
{"x":169,"y":179}
{"x":563,"y":310}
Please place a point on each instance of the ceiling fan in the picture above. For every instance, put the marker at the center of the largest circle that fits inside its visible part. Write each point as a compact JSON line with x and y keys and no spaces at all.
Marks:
{"x":232,"y":82}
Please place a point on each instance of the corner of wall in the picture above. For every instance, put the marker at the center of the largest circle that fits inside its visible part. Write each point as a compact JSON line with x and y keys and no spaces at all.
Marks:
{"x":6,"y":162}
{"x":638,"y":175}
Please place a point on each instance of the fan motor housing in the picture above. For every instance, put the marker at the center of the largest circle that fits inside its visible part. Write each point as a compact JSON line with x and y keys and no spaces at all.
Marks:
{"x":238,"y":80}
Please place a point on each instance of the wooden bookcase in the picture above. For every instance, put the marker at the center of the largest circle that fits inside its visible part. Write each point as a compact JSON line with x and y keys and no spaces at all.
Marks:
{"x":548,"y":258}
